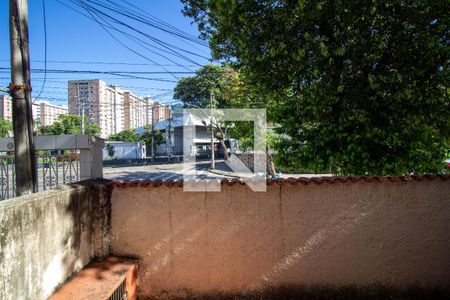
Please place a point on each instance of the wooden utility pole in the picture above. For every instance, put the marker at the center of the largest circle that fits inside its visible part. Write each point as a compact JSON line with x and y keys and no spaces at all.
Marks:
{"x":20,"y":90}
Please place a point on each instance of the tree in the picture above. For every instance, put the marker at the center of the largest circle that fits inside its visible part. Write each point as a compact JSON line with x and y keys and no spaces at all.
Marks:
{"x":146,"y":138}
{"x":127,"y":135}
{"x":5,"y":128}
{"x":110,"y":150}
{"x":224,"y":82}
{"x":223,"y":86}
{"x":70,"y":124}
{"x":358,"y":87}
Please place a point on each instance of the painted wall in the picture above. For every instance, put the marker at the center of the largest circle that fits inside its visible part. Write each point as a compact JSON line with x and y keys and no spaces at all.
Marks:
{"x":46,"y":237}
{"x":350,"y":233}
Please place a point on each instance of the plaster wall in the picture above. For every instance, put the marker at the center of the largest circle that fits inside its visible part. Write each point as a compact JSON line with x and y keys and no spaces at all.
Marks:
{"x":47,"y":236}
{"x":337,"y":234}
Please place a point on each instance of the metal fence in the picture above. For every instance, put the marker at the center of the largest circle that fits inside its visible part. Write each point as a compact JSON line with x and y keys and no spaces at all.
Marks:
{"x":52,"y":170}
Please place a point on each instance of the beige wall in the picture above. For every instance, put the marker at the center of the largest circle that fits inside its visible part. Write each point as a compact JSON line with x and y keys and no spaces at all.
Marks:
{"x":392,"y":233}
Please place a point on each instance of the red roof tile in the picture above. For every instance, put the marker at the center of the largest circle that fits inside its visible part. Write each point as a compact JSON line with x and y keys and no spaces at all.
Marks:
{"x":292,"y":181}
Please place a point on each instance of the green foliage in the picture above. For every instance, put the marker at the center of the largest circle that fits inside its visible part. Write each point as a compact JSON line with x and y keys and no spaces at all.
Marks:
{"x":127,"y":135}
{"x":359,"y":87}
{"x":224,"y":82}
{"x":70,"y":124}
{"x":230,"y":89}
{"x":5,"y":128}
{"x":110,"y":149}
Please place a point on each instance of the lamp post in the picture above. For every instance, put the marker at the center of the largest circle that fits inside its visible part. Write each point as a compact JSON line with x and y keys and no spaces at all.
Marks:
{"x":213,"y":162}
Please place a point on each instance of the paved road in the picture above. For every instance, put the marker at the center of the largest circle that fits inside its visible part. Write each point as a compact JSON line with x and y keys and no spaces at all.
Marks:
{"x":157,"y":172}
{"x":175,"y":172}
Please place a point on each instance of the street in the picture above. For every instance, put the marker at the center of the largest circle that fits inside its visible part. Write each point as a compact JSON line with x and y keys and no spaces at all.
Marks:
{"x":175,"y":172}
{"x":158,"y":172}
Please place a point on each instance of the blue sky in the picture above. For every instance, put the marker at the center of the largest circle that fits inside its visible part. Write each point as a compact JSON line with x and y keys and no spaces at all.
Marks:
{"x":72,"y":37}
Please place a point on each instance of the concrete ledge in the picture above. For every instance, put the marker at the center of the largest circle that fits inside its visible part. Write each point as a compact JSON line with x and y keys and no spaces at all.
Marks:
{"x":47,"y":236}
{"x":52,"y":142}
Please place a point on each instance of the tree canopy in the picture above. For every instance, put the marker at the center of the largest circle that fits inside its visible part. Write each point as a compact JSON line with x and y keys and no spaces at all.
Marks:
{"x":358,"y":87}
{"x":223,"y":81}
{"x":127,"y":135}
{"x":5,"y":128}
{"x":70,"y":124}
{"x":228,"y":88}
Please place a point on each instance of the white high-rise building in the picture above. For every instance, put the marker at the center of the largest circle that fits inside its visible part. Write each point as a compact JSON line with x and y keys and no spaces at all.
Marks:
{"x":43,"y":111}
{"x":102,"y":104}
{"x":49,"y":113}
{"x":111,"y":107}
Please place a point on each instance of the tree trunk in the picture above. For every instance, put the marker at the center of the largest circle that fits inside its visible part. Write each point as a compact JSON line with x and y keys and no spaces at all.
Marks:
{"x":225,"y":149}
{"x":270,"y":164}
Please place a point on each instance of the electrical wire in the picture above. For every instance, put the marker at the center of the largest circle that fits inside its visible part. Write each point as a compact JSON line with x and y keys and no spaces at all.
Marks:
{"x":58,"y":71}
{"x":90,"y":17}
{"x":163,"y":44}
{"x":45,"y":49}
{"x":121,"y":74}
{"x":117,"y":40}
{"x":163,"y":26}
{"x":104,"y":63}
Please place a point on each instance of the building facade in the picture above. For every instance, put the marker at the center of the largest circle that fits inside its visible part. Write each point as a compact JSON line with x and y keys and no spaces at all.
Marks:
{"x":111,"y":107}
{"x":50,"y":113}
{"x":136,"y":110}
{"x":100,"y":103}
{"x":6,"y":107}
{"x":149,"y":112}
{"x":42,"y":111}
{"x":160,"y":112}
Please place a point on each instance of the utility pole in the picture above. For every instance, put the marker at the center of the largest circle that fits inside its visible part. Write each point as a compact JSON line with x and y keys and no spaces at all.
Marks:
{"x":20,"y":90}
{"x":169,"y":151}
{"x":153,"y":139}
{"x":211,"y":99}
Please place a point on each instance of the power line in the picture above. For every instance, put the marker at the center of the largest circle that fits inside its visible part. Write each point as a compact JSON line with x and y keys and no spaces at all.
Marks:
{"x":104,"y":63}
{"x":45,"y":49}
{"x":92,"y":11}
{"x":121,"y":74}
{"x":117,"y":40}
{"x":106,"y":72}
{"x":166,"y":45}
{"x":125,"y":11}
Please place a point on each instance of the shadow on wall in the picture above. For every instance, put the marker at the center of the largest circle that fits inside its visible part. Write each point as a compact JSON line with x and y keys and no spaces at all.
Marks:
{"x":315,"y":292}
{"x":84,"y":229}
{"x":358,"y":239}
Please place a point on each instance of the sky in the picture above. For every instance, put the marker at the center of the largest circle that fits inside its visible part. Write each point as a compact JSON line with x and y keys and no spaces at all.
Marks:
{"x":75,"y":42}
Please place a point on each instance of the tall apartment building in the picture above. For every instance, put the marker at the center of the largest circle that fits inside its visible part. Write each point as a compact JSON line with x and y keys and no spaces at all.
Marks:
{"x":160,"y":112}
{"x":111,"y":107}
{"x":43,"y":111}
{"x":136,"y":110}
{"x":149,"y":112}
{"x":50,"y":113}
{"x":6,"y":107}
{"x":102,"y":104}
